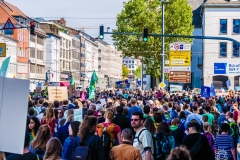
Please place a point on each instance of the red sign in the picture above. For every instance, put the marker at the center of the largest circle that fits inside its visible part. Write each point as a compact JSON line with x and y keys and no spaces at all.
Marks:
{"x":179,"y":73}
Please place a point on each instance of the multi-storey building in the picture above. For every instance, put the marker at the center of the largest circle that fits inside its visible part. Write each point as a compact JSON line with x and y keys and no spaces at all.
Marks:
{"x":131,"y":63}
{"x":76,"y":59}
{"x":220,"y":57}
{"x":37,"y":57}
{"x":52,"y":50}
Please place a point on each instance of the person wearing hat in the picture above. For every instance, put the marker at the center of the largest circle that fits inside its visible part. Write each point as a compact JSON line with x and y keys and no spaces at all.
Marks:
{"x":150,"y":104}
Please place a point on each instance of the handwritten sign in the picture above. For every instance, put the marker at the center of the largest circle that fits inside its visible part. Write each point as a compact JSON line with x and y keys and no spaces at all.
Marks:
{"x":57,"y":93}
{"x":77,"y":113}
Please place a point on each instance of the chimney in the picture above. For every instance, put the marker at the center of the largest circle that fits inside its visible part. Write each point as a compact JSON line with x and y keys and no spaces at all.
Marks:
{"x":63,"y":21}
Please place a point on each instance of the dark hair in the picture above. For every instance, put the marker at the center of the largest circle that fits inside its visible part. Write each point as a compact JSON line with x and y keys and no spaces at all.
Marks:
{"x":125,"y":111}
{"x":119,"y":109}
{"x":230,"y":114}
{"x":127,"y":134}
{"x":205,"y":118}
{"x":53,"y":148}
{"x":75,"y":127}
{"x":27,"y":140}
{"x":179,"y":153}
{"x":31,"y":111}
{"x":146,"y":109}
{"x":224,"y":110}
{"x":137,"y":113}
{"x":225,"y":127}
{"x":56,"y":104}
{"x":90,"y":112}
{"x":155,"y":109}
{"x":149,"y":125}
{"x":37,"y":125}
{"x":182,"y":115}
{"x":194,"y":124}
{"x":163,"y":127}
{"x":195,"y":108}
{"x":45,"y":104}
{"x":88,"y":126}
{"x":65,"y":102}
{"x":30,"y":104}
{"x":41,"y":101}
{"x":208,"y":108}
{"x":157,"y":117}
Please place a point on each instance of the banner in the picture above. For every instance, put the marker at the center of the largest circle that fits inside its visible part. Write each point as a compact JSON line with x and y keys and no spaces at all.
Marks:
{"x":205,"y":92}
{"x":4,"y":67}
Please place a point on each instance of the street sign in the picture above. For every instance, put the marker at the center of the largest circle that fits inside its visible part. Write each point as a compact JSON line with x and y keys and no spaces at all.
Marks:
{"x":8,"y":32}
{"x":180,"y":73}
{"x":180,"y":68}
{"x":2,"y":49}
{"x":8,"y":25}
{"x":180,"y":46}
{"x":180,"y":79}
{"x":180,"y":58}
{"x":162,"y":85}
{"x":166,"y":69}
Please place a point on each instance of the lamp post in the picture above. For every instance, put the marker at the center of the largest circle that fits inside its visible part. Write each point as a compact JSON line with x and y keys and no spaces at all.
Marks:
{"x":162,"y":73}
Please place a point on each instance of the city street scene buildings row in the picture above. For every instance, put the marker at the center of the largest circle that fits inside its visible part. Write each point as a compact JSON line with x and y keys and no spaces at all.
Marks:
{"x":56,"y":52}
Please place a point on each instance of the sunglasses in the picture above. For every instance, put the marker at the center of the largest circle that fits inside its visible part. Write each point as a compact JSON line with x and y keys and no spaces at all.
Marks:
{"x":99,"y":115}
{"x":135,"y":120}
{"x":59,"y":112}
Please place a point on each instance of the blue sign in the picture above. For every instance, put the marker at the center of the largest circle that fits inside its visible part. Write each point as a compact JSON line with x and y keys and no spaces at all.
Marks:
{"x":220,"y":68}
{"x":181,"y":46}
{"x":8,"y":32}
{"x":205,"y":92}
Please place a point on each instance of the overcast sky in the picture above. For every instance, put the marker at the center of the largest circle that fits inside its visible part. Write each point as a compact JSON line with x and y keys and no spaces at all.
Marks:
{"x":78,"y":13}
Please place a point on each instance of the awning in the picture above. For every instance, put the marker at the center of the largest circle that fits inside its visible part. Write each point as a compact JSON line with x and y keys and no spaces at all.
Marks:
{"x":65,"y":83}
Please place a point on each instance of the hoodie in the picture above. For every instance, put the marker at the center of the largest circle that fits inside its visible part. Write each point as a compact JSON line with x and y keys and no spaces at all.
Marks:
{"x":177,"y":134}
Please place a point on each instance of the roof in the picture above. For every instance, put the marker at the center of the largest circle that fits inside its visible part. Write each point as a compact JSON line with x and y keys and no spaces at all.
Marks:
{"x":5,"y":15}
{"x":222,"y":2}
{"x":103,"y":42}
{"x":196,"y":10}
{"x":13,"y":10}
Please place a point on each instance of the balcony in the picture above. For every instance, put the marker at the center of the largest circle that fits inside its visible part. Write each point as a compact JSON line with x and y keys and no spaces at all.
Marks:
{"x":200,"y":63}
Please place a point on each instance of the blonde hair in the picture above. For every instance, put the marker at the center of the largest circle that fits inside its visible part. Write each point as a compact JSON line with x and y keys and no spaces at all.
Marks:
{"x":49,"y":114}
{"x":109,"y":114}
{"x":207,"y":127}
{"x":53,"y":149}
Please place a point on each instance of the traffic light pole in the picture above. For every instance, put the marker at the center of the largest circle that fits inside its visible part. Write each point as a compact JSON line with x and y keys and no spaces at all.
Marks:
{"x":163,"y":39}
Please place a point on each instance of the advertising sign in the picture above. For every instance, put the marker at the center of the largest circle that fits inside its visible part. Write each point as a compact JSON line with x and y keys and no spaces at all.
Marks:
{"x":180,"y":58}
{"x":2,"y":49}
{"x":57,"y":93}
{"x":227,"y":68}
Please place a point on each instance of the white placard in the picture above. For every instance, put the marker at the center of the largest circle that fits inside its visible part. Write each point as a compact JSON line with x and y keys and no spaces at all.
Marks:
{"x":13,"y":114}
{"x":77,"y":115}
{"x":103,"y":101}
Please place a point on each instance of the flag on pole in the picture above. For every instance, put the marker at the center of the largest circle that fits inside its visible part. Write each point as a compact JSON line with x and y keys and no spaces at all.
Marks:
{"x":228,"y":83}
{"x":72,"y":81}
{"x":212,"y":90}
{"x":4,"y":67}
{"x":92,"y":87}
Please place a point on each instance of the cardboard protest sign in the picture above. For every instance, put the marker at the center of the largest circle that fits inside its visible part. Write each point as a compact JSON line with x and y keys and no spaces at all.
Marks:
{"x":77,"y":113}
{"x":13,"y":114}
{"x":57,"y":93}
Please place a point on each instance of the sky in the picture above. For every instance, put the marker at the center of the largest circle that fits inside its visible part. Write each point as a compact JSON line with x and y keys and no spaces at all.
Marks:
{"x":77,"y":13}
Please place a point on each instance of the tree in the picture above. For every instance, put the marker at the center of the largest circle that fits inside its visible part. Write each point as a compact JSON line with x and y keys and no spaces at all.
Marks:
{"x":138,"y":72}
{"x":125,"y":71}
{"x":138,"y":14}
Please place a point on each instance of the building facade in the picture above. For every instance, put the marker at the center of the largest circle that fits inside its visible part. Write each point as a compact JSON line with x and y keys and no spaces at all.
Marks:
{"x":131,"y":63}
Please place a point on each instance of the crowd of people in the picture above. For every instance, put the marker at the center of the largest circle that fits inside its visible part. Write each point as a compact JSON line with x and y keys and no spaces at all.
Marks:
{"x":134,"y":125}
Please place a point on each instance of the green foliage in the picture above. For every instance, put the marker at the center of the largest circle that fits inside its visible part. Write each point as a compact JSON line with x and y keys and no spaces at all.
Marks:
{"x":138,"y":14}
{"x":138,"y":72}
{"x":125,"y":71}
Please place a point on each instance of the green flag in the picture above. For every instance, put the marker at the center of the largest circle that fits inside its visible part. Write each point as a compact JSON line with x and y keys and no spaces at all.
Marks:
{"x":93,"y":84}
{"x":4,"y":67}
{"x":72,"y":81}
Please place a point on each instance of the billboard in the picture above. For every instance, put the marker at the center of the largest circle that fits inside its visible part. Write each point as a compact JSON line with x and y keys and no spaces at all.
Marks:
{"x":226,"y":68}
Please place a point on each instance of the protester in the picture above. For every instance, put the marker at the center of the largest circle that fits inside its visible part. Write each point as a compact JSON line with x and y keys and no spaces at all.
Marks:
{"x":120,"y":119}
{"x":33,"y":127}
{"x":125,"y":150}
{"x":53,"y":150}
{"x":63,"y":132}
{"x":179,"y":153}
{"x":49,"y":119}
{"x":133,"y":108}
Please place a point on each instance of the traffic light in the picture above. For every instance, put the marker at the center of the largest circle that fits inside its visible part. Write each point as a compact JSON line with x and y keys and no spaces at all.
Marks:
{"x":32,"y":28}
{"x":101,"y":36}
{"x":145,"y":34}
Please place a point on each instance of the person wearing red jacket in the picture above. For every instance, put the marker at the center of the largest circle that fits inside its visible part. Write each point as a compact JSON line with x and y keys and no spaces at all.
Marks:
{"x":49,"y":119}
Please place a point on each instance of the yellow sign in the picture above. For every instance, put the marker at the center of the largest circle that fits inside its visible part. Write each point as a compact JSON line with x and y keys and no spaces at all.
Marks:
{"x":2,"y":49}
{"x":57,"y":93}
{"x":162,"y":85}
{"x":180,"y":58}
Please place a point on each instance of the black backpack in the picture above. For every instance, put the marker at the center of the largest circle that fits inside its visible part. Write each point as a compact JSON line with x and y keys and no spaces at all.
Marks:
{"x":196,"y":148}
{"x":82,"y":152}
{"x":108,"y":142}
{"x":161,"y":146}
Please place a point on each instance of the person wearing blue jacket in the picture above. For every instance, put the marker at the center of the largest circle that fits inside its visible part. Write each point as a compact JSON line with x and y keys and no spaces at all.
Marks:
{"x":69,"y":144}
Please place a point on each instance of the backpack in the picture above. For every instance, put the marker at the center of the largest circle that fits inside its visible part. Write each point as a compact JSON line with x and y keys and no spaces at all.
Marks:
{"x":161,"y":146}
{"x":234,"y":131}
{"x":107,"y":135}
{"x":196,"y":148}
{"x":39,"y":151}
{"x":82,"y":152}
{"x":167,"y":118}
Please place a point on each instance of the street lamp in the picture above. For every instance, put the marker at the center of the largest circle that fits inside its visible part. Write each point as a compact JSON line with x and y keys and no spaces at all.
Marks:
{"x":163,"y":2}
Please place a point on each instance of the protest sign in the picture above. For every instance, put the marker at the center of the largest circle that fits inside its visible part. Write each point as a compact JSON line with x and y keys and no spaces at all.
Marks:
{"x":57,"y":93}
{"x":77,"y":113}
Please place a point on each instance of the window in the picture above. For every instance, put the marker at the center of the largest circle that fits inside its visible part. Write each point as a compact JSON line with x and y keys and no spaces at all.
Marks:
{"x":32,"y":68}
{"x":40,"y":40}
{"x":236,"y":26}
{"x":235,"y":50}
{"x":132,"y":61}
{"x":223,"y":49}
{"x":32,"y":38}
{"x":32,"y":52}
{"x":39,"y":54}
{"x":223,"y":26}
{"x":40,"y":69}
{"x":126,"y":61}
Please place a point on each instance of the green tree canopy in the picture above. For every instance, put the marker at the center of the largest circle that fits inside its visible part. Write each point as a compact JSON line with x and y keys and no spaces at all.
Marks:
{"x":138,"y":14}
{"x":125,"y":71}
{"x":138,"y":72}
